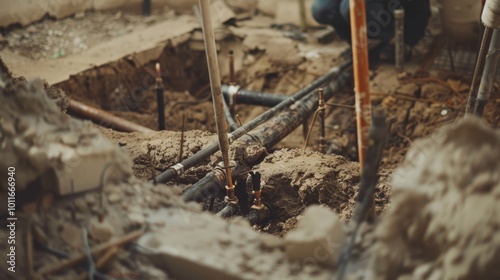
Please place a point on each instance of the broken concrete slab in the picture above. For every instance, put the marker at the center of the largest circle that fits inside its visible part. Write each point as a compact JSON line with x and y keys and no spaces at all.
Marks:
{"x":319,"y":237}
{"x":193,"y":245}
{"x":150,"y":40}
{"x":52,"y":151}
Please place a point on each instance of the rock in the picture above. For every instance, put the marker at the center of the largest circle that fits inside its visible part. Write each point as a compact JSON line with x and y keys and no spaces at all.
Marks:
{"x":72,"y":235}
{"x":136,"y":219}
{"x":270,"y":241}
{"x":101,"y":232}
{"x":114,"y":197}
{"x":81,"y":205}
{"x":319,"y":235}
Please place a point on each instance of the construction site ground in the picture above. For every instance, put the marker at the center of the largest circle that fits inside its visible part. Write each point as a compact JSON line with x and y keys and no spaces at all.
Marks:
{"x":106,"y":59}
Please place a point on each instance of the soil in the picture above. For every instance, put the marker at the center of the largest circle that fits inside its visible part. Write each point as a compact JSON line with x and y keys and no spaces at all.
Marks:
{"x":418,"y":102}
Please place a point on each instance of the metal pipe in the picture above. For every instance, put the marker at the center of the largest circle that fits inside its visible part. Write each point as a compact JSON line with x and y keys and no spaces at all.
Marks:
{"x":478,"y":71}
{"x":359,"y":37}
{"x":231,"y":209}
{"x":229,"y":117}
{"x":489,"y":74}
{"x":250,"y":97}
{"x":103,"y":118}
{"x":146,"y":7}
{"x":179,"y":168}
{"x":267,"y":135}
{"x":218,"y":102}
{"x":399,"y":15}
{"x":232,"y":76}
{"x":160,"y":103}
{"x":321,"y":113}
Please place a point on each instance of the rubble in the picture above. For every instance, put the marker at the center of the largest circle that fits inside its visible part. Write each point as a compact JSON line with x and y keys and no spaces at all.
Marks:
{"x":319,"y":236}
{"x":443,"y":222}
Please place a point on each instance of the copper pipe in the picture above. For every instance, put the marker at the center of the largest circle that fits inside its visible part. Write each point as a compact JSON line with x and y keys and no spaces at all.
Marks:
{"x":160,"y":103}
{"x":103,"y":118}
{"x":361,"y":74}
{"x":218,"y":102}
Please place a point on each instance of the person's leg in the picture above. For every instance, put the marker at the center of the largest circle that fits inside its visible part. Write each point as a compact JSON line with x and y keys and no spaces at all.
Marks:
{"x":328,"y":12}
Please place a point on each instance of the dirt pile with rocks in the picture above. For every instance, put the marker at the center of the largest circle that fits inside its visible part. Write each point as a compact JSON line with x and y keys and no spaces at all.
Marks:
{"x":443,"y":222}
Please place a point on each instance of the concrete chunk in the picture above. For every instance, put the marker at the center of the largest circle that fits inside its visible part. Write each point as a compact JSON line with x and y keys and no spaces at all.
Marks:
{"x":319,"y":237}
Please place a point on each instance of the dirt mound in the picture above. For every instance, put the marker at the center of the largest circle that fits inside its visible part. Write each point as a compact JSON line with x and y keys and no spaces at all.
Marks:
{"x":444,"y":220}
{"x":293,"y":179}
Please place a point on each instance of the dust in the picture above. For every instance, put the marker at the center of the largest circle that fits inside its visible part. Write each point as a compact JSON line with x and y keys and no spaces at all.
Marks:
{"x":444,"y":218}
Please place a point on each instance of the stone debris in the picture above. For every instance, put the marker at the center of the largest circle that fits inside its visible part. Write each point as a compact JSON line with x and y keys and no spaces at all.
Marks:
{"x":443,"y":222}
{"x":318,"y":237}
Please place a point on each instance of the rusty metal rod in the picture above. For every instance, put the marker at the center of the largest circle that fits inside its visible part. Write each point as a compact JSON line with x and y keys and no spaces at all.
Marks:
{"x":488,"y":77}
{"x":179,"y":168}
{"x":321,"y":113}
{"x":266,"y":135}
{"x":103,"y":118}
{"x":218,"y":102}
{"x":232,"y":76}
{"x":359,"y":37}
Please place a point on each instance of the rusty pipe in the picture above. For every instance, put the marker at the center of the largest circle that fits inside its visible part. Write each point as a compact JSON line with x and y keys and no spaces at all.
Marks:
{"x":104,"y":118}
{"x":160,"y":103}
{"x":490,"y":70}
{"x":361,"y":74}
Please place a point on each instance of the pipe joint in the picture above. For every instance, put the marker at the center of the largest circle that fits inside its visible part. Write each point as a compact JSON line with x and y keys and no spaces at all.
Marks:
{"x":259,"y":214}
{"x":178,"y":168}
{"x":491,"y":14}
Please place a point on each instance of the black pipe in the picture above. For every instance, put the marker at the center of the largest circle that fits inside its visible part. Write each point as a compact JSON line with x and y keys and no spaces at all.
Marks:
{"x":229,"y":117}
{"x":251,"y":97}
{"x":161,"y":107}
{"x":267,"y":136}
{"x":203,"y":154}
{"x":231,"y":209}
{"x":146,"y":8}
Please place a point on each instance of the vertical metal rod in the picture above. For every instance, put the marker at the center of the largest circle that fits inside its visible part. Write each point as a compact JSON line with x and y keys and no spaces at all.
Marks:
{"x":488,"y":77}
{"x":181,"y":145}
{"x":478,"y":71}
{"x":160,"y":103}
{"x":321,"y":112}
{"x":146,"y":7}
{"x":399,"y":15}
{"x":302,"y":11}
{"x":361,"y":74}
{"x":232,"y":77}
{"x":213,"y":67}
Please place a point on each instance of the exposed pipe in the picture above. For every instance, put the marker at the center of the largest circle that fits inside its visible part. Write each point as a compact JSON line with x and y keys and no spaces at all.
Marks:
{"x":250,"y":97}
{"x":229,"y":117}
{"x":104,"y":118}
{"x":160,"y":104}
{"x":258,"y":211}
{"x":489,"y":74}
{"x":478,"y":71}
{"x":179,"y":168}
{"x":218,"y":102}
{"x":267,"y":135}
{"x":359,"y":39}
{"x":399,"y":16}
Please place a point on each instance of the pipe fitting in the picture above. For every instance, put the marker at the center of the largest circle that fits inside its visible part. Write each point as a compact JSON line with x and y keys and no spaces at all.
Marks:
{"x":259,"y":214}
{"x":491,"y":14}
{"x":178,"y":168}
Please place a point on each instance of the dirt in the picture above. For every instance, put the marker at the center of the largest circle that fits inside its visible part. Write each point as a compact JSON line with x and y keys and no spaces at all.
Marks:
{"x":428,"y":209}
{"x":443,"y":221}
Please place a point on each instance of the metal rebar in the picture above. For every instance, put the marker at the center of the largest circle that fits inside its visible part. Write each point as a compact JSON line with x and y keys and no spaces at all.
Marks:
{"x":478,"y":71}
{"x":399,"y":15}
{"x":490,"y":70}
{"x":103,"y":118}
{"x":180,"y":167}
{"x":218,"y":102}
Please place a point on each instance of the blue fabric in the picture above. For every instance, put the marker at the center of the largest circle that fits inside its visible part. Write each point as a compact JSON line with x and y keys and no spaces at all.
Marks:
{"x":379,"y":17}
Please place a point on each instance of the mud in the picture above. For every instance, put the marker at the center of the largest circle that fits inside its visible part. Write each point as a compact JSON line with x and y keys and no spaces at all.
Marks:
{"x":443,"y":220}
